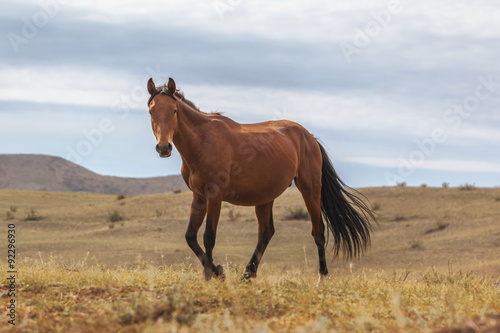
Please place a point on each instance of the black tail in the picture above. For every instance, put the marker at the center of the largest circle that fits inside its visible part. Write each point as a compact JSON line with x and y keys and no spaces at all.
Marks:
{"x":350,"y":227}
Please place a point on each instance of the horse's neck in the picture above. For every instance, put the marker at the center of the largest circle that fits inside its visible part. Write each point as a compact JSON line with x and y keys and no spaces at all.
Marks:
{"x":189,"y":129}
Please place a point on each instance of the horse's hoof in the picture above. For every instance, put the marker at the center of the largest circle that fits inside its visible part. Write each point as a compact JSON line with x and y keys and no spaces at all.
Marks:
{"x":207,"y":272}
{"x":219,"y":272}
{"x":321,"y":279}
{"x":248,"y":276}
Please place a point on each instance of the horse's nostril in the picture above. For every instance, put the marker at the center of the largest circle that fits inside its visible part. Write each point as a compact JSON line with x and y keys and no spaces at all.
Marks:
{"x":164,"y":150}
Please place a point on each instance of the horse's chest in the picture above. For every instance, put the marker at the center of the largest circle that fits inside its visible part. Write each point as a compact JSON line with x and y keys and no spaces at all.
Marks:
{"x":194,"y":182}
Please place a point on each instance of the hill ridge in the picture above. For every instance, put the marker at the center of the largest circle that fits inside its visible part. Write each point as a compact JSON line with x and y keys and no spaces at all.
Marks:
{"x":39,"y":172}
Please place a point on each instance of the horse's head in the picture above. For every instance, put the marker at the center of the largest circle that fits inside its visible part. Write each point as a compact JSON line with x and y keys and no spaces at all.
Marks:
{"x":163,"y":110}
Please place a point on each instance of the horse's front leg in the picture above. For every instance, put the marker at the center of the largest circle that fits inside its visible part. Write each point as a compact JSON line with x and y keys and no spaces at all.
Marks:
{"x":198,"y":212}
{"x":213,"y":214}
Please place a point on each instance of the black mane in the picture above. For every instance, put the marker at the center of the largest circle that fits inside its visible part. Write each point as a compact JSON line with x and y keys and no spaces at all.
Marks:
{"x":180,"y":95}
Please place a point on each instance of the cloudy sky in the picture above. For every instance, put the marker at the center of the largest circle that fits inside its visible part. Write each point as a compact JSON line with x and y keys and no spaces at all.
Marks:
{"x":396,"y":90}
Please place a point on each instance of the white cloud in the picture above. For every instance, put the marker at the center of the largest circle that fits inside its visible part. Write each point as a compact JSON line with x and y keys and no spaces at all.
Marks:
{"x":346,"y":111}
{"x":350,"y":110}
{"x":442,"y":165}
{"x":328,"y":21}
{"x":63,"y":85}
{"x":93,"y":87}
{"x":471,"y":135}
{"x":270,"y":60}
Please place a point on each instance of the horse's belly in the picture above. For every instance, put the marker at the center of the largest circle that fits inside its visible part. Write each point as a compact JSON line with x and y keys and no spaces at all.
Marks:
{"x":257,"y":192}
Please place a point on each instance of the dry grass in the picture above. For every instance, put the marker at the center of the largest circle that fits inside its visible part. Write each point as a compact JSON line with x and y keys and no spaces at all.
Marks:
{"x":74,"y":224}
{"x":149,"y":298}
{"x":470,"y":238}
{"x":142,"y":277}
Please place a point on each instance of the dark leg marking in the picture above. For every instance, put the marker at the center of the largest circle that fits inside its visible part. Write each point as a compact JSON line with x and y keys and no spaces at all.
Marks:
{"x":266,"y":231}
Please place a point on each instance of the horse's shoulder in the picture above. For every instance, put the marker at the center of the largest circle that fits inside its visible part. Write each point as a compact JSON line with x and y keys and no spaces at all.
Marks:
{"x":221,"y":122}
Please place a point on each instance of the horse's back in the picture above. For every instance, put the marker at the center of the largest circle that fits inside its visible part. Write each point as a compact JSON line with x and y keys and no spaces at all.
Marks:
{"x":251,"y":163}
{"x":265,"y":158}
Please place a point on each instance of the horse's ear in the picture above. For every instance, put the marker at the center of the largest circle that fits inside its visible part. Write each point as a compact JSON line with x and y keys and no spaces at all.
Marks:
{"x":151,"y":86}
{"x":171,"y":85}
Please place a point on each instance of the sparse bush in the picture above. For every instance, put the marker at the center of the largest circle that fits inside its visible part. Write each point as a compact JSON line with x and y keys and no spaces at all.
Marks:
{"x":177,"y":191}
{"x":402,"y":184}
{"x":423,"y":185}
{"x":114,"y":216}
{"x":33,"y":216}
{"x":376,"y":206}
{"x":445,"y":185}
{"x":467,"y":187}
{"x":399,"y":217}
{"x":440,"y":226}
{"x":13,"y":209}
{"x":497,"y":198}
{"x":9,"y":215}
{"x":298,"y":213}
{"x":233,"y":216}
{"x":416,"y":245}
{"x":120,"y":197}
{"x":159,"y":213}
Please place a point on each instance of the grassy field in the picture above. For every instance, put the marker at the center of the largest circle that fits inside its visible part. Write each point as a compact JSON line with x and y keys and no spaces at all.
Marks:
{"x":148,"y":298}
{"x":104,"y":263}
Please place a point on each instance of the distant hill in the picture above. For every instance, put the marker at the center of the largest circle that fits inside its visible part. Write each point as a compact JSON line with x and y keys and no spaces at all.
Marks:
{"x":50,"y":173}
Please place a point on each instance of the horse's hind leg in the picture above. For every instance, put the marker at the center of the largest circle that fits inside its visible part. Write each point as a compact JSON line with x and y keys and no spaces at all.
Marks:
{"x":266,"y":231}
{"x":311,"y":193}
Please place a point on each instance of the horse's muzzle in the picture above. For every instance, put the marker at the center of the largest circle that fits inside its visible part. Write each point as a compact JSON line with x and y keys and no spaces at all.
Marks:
{"x":164,"y":150}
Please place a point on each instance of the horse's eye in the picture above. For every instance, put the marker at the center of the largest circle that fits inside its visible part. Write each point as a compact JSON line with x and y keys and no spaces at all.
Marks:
{"x":175,"y":111}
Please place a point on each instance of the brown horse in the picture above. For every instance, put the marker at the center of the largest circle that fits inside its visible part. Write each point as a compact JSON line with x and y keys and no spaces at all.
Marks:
{"x":251,"y":165}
